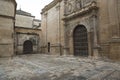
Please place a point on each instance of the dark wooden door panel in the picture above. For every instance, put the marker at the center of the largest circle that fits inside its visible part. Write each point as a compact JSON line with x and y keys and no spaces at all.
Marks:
{"x":80,"y":41}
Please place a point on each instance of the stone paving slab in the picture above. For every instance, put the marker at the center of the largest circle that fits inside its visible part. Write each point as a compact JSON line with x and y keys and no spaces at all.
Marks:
{"x":46,"y":67}
{"x":102,"y":75}
{"x":113,"y":76}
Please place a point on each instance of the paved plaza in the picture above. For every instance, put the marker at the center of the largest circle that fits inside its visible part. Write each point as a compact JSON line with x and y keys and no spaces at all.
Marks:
{"x":46,"y":67}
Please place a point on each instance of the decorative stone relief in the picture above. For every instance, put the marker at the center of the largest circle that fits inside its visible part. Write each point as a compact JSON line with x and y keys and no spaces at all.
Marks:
{"x":84,"y":2}
{"x":75,"y":5}
{"x":69,"y":6}
{"x":78,"y":4}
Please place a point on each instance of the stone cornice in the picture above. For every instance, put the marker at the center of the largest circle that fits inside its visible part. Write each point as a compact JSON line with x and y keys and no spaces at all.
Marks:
{"x":25,"y":15}
{"x":28,"y":33}
{"x":50,"y":5}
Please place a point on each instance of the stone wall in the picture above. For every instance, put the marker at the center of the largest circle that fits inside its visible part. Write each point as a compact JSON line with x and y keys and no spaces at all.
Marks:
{"x":22,"y":37}
{"x":109,"y":33}
{"x":52,"y":28}
{"x":36,"y":24}
{"x":24,"y":34}
{"x":7,"y":16}
{"x":24,"y":21}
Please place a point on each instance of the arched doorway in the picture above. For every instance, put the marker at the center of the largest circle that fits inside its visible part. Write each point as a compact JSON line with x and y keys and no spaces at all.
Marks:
{"x":27,"y":47}
{"x":80,"y":41}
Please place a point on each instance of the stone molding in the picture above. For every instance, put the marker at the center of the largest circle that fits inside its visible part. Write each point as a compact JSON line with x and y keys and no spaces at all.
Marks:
{"x":18,"y":27}
{"x":115,"y":40}
{"x":27,"y":33}
{"x":5,"y":43}
{"x":6,"y":16}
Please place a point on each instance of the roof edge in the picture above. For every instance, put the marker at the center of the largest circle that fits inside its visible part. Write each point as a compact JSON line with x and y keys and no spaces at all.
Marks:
{"x":50,"y":5}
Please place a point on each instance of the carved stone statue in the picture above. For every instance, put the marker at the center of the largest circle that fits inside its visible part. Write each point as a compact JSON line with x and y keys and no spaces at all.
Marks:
{"x":78,"y":4}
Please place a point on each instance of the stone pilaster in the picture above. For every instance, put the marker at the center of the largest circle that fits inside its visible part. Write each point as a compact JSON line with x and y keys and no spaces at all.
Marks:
{"x":95,"y":39}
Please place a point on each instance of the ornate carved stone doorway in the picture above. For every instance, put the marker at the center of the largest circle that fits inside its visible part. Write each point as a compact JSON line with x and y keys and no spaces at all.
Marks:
{"x":80,"y":41}
{"x":27,"y":47}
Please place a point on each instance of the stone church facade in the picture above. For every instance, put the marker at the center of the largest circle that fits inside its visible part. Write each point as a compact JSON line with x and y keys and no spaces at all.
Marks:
{"x":82,"y":28}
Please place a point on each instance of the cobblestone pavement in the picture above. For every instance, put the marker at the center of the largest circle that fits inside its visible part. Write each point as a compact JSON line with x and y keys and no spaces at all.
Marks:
{"x":46,"y":67}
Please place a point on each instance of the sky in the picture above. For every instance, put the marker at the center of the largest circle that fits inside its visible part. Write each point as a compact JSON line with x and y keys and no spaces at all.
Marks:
{"x":32,"y":6}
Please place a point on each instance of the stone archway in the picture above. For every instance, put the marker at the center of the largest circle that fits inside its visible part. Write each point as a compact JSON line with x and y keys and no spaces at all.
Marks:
{"x":80,"y":41}
{"x":27,"y":47}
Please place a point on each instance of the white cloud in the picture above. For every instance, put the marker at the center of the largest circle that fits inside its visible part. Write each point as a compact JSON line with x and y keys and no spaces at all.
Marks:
{"x":32,"y":6}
